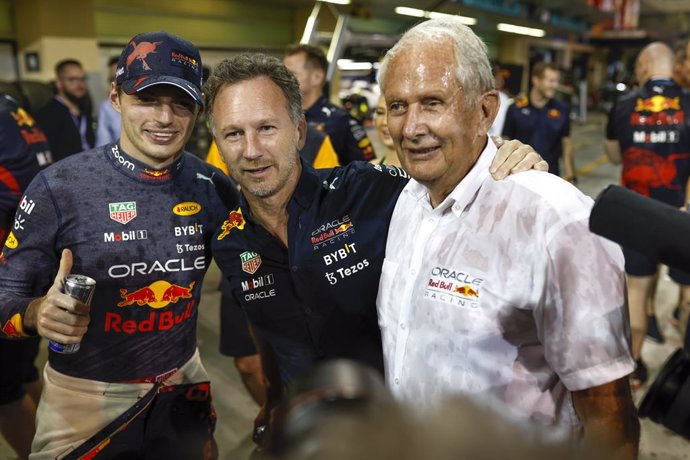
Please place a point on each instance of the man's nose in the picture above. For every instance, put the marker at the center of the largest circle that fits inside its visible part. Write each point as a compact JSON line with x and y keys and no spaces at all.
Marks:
{"x":415,"y":122}
{"x":252,"y":147}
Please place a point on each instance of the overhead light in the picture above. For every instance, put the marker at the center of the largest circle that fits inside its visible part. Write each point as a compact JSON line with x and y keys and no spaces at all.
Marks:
{"x":349,"y":64}
{"x":513,"y":29}
{"x":337,"y":2}
{"x":417,"y":13}
{"x":405,"y":11}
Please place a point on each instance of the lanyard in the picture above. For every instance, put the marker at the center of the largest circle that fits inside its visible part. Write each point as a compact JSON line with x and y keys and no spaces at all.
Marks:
{"x":80,"y":123}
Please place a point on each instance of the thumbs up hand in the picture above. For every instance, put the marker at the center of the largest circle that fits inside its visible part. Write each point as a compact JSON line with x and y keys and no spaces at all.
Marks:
{"x":57,"y":316}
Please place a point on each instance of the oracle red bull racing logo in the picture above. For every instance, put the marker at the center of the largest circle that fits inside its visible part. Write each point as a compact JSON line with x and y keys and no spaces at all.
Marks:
{"x":156,"y":295}
{"x":453,"y":287}
{"x":331,"y":232}
{"x":235,"y":220}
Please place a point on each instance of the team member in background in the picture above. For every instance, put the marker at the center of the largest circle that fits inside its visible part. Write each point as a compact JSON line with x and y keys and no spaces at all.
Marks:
{"x":349,"y":138}
{"x":303,"y":250}
{"x":390,"y":156}
{"x":109,"y":123}
{"x":24,"y":151}
{"x":648,"y":133}
{"x":496,"y":290}
{"x":681,"y":63}
{"x":543,"y":121}
{"x":137,"y":216}
{"x":66,"y":119}
{"x":497,"y":127}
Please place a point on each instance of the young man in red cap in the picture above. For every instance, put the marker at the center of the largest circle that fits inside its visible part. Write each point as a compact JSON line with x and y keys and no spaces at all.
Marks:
{"x":135,"y":216}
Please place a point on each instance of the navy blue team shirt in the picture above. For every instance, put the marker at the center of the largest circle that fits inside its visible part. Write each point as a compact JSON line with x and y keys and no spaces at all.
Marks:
{"x":542,"y":128}
{"x":349,"y":138}
{"x":24,"y":151}
{"x":315,"y":299}
{"x":143,"y":234}
{"x":652,"y":127}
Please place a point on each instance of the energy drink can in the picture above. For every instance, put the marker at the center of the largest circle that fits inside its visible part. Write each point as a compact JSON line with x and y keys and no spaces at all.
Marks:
{"x":81,"y":288}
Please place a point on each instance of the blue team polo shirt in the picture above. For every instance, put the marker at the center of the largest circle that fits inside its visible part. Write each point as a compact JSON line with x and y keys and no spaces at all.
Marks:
{"x":315,"y":299}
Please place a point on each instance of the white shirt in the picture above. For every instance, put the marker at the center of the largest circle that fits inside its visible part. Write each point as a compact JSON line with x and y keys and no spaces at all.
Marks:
{"x":502,"y":292}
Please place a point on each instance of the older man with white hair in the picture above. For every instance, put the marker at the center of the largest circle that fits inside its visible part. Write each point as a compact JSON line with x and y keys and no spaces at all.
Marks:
{"x":494,"y":289}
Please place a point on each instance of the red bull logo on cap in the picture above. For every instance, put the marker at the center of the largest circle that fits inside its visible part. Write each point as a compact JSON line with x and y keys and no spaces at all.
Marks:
{"x":235,"y":220}
{"x":156,"y":295}
{"x":140,"y":52}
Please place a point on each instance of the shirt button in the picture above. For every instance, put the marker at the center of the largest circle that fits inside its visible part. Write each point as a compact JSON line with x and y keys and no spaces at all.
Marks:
{"x":413,"y":272}
{"x":402,"y":325}
{"x":293,"y":268}
{"x":307,"y":310}
{"x":397,"y":381}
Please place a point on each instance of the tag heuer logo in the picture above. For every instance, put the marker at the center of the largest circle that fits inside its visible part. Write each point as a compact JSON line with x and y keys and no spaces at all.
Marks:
{"x":123,"y":212}
{"x":251,"y":261}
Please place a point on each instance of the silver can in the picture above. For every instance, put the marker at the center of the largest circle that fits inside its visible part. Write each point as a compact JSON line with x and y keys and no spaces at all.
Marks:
{"x":81,"y":288}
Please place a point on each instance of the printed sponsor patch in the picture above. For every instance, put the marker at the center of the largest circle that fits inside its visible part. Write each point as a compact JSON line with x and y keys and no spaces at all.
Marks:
{"x":657,"y":103}
{"x":11,"y":241}
{"x":235,"y":220}
{"x":188,"y":208}
{"x":332,"y":231}
{"x":127,"y":235}
{"x":251,"y":261}
{"x":181,"y":59}
{"x":554,"y":114}
{"x":123,"y":212}
{"x":156,"y":295}
{"x":453,"y":287}
{"x":13,"y":327}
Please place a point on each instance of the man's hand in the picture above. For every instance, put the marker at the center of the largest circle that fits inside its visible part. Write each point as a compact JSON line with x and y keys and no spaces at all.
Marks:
{"x":57,"y":316}
{"x":609,"y":417}
{"x":513,"y":157}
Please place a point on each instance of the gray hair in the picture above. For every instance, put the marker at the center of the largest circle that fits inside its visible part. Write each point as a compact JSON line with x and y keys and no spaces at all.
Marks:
{"x":472,"y":71}
{"x":247,"y":67}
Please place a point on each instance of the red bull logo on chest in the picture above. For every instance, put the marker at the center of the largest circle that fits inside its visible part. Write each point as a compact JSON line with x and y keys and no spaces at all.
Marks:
{"x":156,"y":295}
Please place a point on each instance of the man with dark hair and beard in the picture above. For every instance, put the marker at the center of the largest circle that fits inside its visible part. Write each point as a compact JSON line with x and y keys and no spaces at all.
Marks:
{"x":66,"y":122}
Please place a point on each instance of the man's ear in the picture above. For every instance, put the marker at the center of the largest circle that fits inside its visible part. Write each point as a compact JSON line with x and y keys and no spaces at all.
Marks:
{"x":302,"y":127}
{"x":114,"y":97}
{"x":488,"y":104}
{"x":318,"y":77}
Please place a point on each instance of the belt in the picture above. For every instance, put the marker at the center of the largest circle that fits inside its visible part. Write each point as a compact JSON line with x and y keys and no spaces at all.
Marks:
{"x":153,"y":378}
